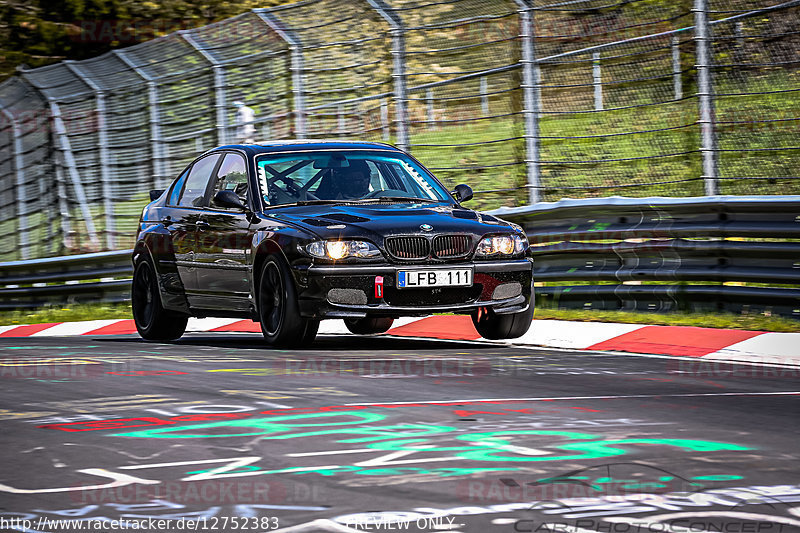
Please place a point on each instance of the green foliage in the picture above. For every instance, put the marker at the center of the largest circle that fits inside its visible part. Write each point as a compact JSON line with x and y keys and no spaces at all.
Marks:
{"x":79,"y":312}
{"x":705,"y":320}
{"x":69,"y":313}
{"x":40,"y":32}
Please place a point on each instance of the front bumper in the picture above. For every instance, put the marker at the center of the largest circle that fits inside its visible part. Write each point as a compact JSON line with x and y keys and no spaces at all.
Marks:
{"x":348,"y":291}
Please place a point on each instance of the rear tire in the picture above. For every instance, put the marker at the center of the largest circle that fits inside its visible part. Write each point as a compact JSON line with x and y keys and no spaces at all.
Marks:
{"x":369,"y":325}
{"x":492,"y":326}
{"x":153,"y":322}
{"x":279,"y":313}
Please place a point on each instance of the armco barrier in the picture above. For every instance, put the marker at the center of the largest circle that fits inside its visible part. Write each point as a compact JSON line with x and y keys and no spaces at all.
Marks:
{"x":716,"y":243}
{"x":532,"y":99}
{"x":630,"y":253}
{"x":96,"y":277}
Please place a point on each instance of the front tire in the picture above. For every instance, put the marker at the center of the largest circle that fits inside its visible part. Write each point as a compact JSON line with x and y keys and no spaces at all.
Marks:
{"x":492,"y":326}
{"x":281,"y":323}
{"x":153,"y":322}
{"x":369,"y":325}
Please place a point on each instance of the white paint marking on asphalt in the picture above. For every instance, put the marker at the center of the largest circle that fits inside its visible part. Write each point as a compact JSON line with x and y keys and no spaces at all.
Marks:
{"x":315,"y":526}
{"x":75,"y":328}
{"x":206,"y":324}
{"x":332,"y":327}
{"x":612,"y":353}
{"x":329,"y":452}
{"x":769,"y":347}
{"x":274,"y":405}
{"x":552,"y":398}
{"x":561,"y":333}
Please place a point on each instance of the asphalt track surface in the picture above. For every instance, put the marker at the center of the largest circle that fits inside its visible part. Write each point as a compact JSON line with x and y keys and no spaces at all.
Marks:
{"x":217,"y":433}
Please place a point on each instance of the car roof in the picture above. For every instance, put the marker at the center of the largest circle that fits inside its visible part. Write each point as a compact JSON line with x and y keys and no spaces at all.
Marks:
{"x":308,"y":144}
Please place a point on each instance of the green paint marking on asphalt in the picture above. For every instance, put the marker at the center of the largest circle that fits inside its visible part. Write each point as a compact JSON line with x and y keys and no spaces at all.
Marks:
{"x":263,"y":426}
{"x":38,"y":347}
{"x":718,"y":477}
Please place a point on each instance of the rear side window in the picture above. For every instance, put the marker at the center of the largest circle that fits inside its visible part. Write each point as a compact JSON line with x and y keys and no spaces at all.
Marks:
{"x":175,"y":193}
{"x":195,"y":190}
{"x":231,"y":176}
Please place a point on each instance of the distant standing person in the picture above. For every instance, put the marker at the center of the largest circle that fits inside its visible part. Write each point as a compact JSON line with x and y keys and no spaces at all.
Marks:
{"x":245,"y":117}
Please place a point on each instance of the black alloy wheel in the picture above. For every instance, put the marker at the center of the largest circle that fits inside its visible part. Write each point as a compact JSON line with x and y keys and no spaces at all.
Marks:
{"x":281,"y":323}
{"x":153,"y":322}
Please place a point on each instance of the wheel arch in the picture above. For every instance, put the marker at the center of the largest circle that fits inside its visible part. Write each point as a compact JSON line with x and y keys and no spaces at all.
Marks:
{"x":265,"y":248}
{"x":149,"y":245}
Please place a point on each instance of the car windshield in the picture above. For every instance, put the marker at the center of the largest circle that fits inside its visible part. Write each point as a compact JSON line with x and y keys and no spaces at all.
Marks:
{"x":345,"y":176}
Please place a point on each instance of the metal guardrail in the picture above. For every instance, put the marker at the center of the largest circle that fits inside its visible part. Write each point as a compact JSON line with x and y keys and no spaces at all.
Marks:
{"x":534,"y":100}
{"x":653,"y":254}
{"x":84,"y":278}
{"x":667,"y":254}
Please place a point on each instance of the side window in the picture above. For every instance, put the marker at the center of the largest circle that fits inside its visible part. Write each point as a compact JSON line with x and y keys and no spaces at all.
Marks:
{"x":231,"y":176}
{"x":195,"y":190}
{"x":175,"y":193}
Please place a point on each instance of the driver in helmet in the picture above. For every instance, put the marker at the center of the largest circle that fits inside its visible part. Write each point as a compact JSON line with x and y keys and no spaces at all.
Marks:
{"x":352,"y":181}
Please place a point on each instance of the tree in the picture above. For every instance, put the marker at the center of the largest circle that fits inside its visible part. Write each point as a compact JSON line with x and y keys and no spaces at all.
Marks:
{"x":39,"y":32}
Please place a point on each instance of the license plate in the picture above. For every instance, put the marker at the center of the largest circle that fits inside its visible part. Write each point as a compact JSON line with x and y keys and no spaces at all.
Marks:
{"x":409,"y":279}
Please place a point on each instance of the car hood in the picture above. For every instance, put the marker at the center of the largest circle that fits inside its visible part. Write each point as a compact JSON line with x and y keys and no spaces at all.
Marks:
{"x":377,"y":221}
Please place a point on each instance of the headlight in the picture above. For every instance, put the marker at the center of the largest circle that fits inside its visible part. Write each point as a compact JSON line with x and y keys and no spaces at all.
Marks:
{"x":502,"y":245}
{"x":342,"y":249}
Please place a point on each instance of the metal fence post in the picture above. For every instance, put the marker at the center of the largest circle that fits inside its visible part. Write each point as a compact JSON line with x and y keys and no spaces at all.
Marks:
{"x":297,"y":68}
{"x":400,"y":88}
{"x":155,"y":126}
{"x":429,"y":107}
{"x":677,"y":76}
{"x":60,"y":182}
{"x":398,"y":69}
{"x":63,"y":200}
{"x":102,"y":145}
{"x":63,"y":205}
{"x":23,"y":228}
{"x":597,"y":81}
{"x":702,"y":37}
{"x":219,"y":86}
{"x":384,"y":120}
{"x":484,"y":95}
{"x":531,"y":82}
{"x":60,"y":131}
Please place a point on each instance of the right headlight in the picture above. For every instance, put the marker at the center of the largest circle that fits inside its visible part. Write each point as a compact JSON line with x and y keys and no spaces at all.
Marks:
{"x":342,"y":249}
{"x":502,"y":245}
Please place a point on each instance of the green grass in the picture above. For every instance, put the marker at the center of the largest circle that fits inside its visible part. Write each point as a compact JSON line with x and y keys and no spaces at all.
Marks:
{"x":610,"y":146}
{"x":72,"y":313}
{"x":705,"y":320}
{"x":608,"y":159}
{"x":708,"y":320}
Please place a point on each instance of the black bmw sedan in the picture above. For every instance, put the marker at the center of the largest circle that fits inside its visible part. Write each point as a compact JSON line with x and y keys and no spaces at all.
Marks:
{"x":291,"y":233}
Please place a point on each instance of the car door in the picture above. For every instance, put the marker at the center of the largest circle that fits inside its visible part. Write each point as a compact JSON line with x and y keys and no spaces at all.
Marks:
{"x":223,"y":241}
{"x":186,"y":213}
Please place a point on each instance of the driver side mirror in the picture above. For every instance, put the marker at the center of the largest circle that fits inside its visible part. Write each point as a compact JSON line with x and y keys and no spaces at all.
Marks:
{"x":228,"y":199}
{"x":462,"y":192}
